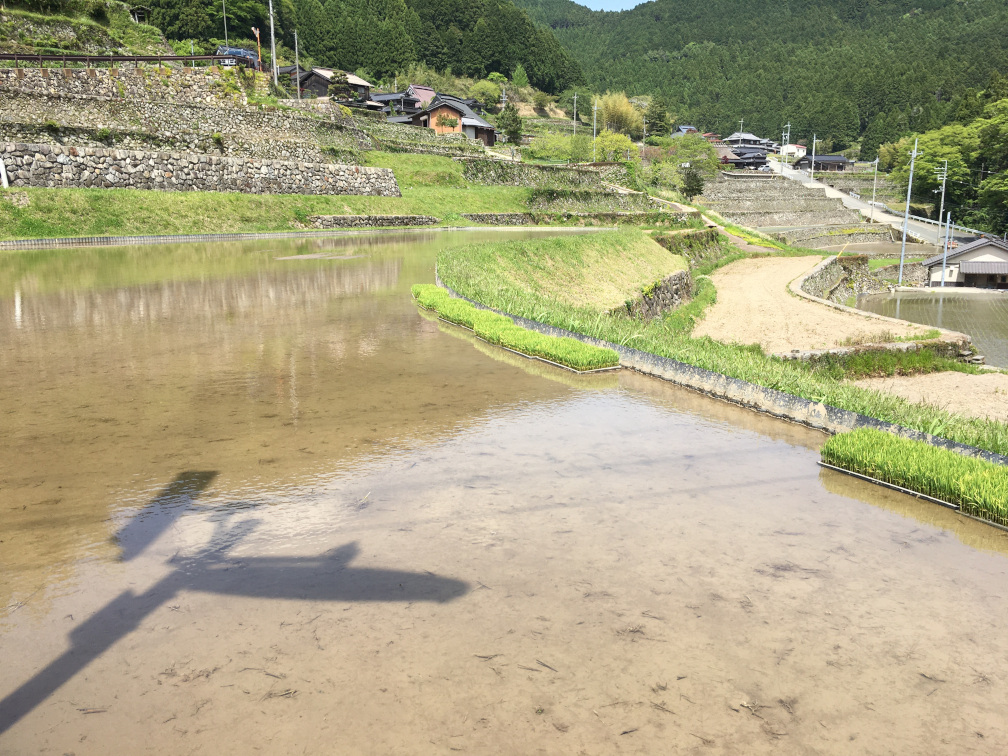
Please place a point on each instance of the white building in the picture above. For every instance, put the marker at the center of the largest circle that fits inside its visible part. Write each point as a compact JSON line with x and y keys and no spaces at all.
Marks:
{"x":982,"y":264}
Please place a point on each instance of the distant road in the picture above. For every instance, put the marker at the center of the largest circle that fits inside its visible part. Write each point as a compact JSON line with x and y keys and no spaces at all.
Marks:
{"x":924,"y":231}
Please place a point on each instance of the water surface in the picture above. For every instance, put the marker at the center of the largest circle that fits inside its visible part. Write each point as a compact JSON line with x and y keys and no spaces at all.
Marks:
{"x":981,"y":314}
{"x":253,"y":483}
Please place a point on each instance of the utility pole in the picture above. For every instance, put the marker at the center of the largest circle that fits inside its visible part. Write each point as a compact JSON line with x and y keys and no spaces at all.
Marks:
{"x":942,"y":174}
{"x":297,"y":67}
{"x":594,"y":127}
{"x":948,"y":228}
{"x":503,"y":96}
{"x":575,"y":114}
{"x":643,"y":138}
{"x":811,"y":170}
{"x":875,"y":184}
{"x":786,"y":137}
{"x":255,"y":30}
{"x":273,"y":64}
{"x":906,"y":214}
{"x":740,"y":122}
{"x":224,"y":6}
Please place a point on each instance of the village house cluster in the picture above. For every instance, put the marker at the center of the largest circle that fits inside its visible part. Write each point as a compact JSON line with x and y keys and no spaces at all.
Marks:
{"x":415,"y":106}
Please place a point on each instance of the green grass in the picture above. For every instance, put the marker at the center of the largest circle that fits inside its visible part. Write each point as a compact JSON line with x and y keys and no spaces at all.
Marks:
{"x":500,"y":330}
{"x":492,"y":274}
{"x":875,"y":263}
{"x":878,"y":363}
{"x":979,"y":487}
{"x":53,"y":213}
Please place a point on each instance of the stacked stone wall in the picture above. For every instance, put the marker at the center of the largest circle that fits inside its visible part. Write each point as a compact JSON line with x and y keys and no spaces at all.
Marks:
{"x":664,"y":296}
{"x":499,"y":172}
{"x":89,"y":121}
{"x":176,"y":84}
{"x":34,"y":165}
{"x":370,"y":221}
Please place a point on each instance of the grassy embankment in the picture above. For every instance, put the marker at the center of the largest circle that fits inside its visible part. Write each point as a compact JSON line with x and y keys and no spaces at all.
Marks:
{"x":980,"y":488}
{"x":498,"y":275}
{"x":500,"y":330}
{"x":95,"y":28}
{"x":430,"y":185}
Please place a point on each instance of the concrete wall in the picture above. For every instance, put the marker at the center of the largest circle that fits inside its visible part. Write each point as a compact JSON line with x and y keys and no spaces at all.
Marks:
{"x":33,"y":165}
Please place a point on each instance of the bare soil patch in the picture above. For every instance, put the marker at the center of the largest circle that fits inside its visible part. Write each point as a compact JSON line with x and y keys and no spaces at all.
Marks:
{"x":976,"y":395}
{"x":754,"y":307}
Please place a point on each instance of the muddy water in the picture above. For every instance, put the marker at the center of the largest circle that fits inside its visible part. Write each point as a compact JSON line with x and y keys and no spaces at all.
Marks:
{"x":981,"y":314}
{"x":275,"y":494}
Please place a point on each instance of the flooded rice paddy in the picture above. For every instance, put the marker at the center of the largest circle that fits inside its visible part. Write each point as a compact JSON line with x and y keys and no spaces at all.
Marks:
{"x":981,"y":314}
{"x":253,"y":504}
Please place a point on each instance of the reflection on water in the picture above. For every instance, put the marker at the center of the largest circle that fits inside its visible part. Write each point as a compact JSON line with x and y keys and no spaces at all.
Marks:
{"x":120,"y":367}
{"x":981,"y":314}
{"x":241,"y":488}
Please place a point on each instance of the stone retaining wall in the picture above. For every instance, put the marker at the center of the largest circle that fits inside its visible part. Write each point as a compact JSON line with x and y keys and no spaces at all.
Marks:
{"x":85,"y":120}
{"x":663,"y":296}
{"x":490,"y":172}
{"x":655,"y":218}
{"x":176,"y":84}
{"x":816,"y":238}
{"x":373,"y":221}
{"x":843,"y":278}
{"x":34,"y":165}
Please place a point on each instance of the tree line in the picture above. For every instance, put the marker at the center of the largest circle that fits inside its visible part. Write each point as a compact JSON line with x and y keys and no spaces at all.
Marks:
{"x":473,"y":38}
{"x":841,"y":69}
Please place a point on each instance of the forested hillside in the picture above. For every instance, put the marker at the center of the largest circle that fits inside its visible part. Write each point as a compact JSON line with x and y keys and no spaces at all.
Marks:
{"x":473,"y":38}
{"x":833,"y":67}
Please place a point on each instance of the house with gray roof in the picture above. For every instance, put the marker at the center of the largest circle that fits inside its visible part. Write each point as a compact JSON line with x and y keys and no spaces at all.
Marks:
{"x":446,"y":114}
{"x":982,"y":264}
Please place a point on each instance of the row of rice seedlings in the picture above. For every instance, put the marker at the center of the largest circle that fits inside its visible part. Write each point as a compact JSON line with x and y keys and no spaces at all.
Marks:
{"x":978,"y":487}
{"x":500,"y":330}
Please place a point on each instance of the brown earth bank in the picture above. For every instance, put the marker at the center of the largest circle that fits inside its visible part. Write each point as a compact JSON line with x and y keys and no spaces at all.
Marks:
{"x":977,"y":395}
{"x":754,"y":307}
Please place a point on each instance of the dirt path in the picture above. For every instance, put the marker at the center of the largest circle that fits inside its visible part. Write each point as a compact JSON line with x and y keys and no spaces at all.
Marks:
{"x":976,"y":395}
{"x":754,"y":307}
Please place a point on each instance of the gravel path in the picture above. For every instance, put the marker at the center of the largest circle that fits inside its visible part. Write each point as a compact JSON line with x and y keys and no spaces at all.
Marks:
{"x":976,"y":395}
{"x":754,"y":307}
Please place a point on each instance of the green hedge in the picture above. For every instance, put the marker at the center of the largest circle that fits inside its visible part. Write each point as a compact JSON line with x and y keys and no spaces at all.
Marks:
{"x":500,"y":330}
{"x":979,"y":487}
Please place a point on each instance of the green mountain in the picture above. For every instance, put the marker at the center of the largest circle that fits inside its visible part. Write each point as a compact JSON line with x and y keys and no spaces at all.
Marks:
{"x":831,"y":67}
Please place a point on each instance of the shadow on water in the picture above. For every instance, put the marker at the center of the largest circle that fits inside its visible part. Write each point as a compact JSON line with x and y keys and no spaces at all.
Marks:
{"x":327,"y":577}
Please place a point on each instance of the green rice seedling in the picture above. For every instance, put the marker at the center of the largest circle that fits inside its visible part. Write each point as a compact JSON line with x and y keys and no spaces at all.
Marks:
{"x":501,"y":330}
{"x":979,"y":487}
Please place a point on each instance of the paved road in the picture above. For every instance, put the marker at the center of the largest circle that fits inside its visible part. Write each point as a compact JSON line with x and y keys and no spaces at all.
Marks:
{"x":923,"y":231}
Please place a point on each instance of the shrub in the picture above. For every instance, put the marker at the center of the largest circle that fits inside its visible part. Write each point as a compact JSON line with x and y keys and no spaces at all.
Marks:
{"x":446,"y":121}
{"x":486,"y":92}
{"x":541,"y":100}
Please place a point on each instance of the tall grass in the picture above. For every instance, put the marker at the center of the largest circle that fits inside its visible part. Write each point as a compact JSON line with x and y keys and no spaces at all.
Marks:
{"x":979,"y":487}
{"x":492,"y":274}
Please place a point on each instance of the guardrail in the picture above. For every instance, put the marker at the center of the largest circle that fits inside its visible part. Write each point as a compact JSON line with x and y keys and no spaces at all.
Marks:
{"x":941,"y":224}
{"x":98,"y":61}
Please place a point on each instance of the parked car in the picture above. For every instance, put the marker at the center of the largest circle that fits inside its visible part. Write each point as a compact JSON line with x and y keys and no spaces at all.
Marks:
{"x":765,"y":169}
